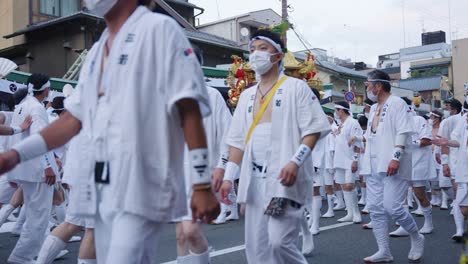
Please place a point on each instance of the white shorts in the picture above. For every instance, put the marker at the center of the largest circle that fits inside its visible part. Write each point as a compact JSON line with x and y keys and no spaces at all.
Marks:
{"x":343,"y":176}
{"x":6,"y":191}
{"x":462,"y":194}
{"x":318,"y":177}
{"x":444,"y":182}
{"x":328,"y":177}
{"x":87,"y":222}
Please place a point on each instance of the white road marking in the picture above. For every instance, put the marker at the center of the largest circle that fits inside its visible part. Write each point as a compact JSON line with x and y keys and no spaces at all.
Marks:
{"x":242,"y":247}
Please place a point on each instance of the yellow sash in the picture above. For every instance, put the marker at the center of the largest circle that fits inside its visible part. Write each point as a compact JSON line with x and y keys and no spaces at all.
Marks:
{"x":259,"y":115}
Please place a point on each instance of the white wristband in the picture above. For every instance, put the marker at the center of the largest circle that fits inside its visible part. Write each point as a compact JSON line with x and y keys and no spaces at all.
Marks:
{"x":301,"y":155}
{"x":16,"y":129}
{"x":222,"y":162}
{"x":444,"y":159}
{"x":397,"y":153}
{"x":199,"y":164}
{"x":232,"y":171}
{"x":31,"y":147}
{"x":417,"y":143}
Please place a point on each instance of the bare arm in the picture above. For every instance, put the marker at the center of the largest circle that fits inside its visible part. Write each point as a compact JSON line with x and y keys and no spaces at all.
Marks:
{"x":61,"y":131}
{"x":235,"y":155}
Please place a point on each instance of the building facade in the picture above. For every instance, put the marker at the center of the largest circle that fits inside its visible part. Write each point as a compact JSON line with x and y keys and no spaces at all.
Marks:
{"x":460,"y":67}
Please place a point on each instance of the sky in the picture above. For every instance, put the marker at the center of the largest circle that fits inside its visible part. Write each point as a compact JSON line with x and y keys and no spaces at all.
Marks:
{"x":360,"y":30}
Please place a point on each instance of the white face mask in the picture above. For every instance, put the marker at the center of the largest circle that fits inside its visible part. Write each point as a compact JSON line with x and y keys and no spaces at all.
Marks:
{"x":372,"y":96}
{"x":261,"y":61}
{"x":431,"y":122}
{"x":446,"y":113}
{"x":100,"y":7}
{"x":366,"y":115}
{"x":466,"y":98}
{"x":337,"y":118}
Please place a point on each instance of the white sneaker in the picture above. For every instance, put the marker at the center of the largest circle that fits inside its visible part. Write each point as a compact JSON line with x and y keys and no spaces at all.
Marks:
{"x":426,"y":229}
{"x":221,"y":219}
{"x":347,"y":218}
{"x":400,"y":232}
{"x":417,"y":248}
{"x":339,"y":206}
{"x":329,"y":214}
{"x":379,"y":257}
{"x":418,"y":212}
{"x":234,"y":215}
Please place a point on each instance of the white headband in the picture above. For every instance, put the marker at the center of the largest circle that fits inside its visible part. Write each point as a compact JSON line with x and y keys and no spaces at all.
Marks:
{"x":378,"y":80}
{"x":341,"y":107}
{"x":58,"y":109}
{"x":369,"y":105}
{"x":434,"y":114}
{"x":269,"y":40}
{"x":31,"y":87}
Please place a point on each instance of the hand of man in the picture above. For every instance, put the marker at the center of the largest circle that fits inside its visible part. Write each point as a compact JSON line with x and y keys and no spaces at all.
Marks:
{"x":205,"y":206}
{"x":440,"y":141}
{"x":354,"y":167}
{"x":446,"y":170}
{"x":288,"y":174}
{"x":8,"y":161}
{"x":438,"y":158}
{"x":224,"y":192}
{"x":217,"y":179}
{"x":393,"y":167}
{"x":49,"y":176}
{"x":26,"y":123}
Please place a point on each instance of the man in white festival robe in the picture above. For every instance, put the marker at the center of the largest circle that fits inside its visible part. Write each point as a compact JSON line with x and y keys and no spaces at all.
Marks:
{"x":276,"y":170}
{"x":390,"y":127}
{"x":136,"y":107}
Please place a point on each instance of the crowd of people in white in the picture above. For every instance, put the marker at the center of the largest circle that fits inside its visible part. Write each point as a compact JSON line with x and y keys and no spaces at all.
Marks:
{"x":143,"y":141}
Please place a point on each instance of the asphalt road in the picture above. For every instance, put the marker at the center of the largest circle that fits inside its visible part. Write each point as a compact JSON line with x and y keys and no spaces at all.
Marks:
{"x":334,"y":244}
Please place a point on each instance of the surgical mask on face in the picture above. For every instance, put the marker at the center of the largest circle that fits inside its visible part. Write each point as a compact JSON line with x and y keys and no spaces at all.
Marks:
{"x":466,"y":98}
{"x":372,"y":96}
{"x":431,"y":122}
{"x":366,"y":115}
{"x":100,"y":7}
{"x":337,"y":118}
{"x":261,"y":61}
{"x":446,"y":113}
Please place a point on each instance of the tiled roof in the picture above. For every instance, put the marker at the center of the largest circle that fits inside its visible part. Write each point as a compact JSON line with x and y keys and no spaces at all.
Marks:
{"x":421,"y":84}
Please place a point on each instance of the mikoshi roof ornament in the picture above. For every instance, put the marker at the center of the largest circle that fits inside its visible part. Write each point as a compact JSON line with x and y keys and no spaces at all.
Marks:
{"x":6,"y":67}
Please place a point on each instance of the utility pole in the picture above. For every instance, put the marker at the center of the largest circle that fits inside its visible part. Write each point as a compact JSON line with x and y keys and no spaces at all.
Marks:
{"x":284,"y":17}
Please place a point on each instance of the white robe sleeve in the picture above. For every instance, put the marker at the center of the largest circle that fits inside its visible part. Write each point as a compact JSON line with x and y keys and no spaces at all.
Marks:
{"x":40,"y":121}
{"x":424,"y":130}
{"x":223,"y":121}
{"x":74,"y":105}
{"x":8,"y":117}
{"x":238,"y":129}
{"x":358,"y":133}
{"x":310,"y":115}
{"x":403,"y":121}
{"x":458,"y":131}
{"x":186,"y":76}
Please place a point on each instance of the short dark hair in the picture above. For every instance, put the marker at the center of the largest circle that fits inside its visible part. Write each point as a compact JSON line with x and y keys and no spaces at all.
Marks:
{"x":455,"y":104}
{"x":345,"y":105}
{"x":439,"y":113}
{"x":58,"y":104}
{"x":381,"y":75}
{"x":330,"y":114}
{"x":362,"y":120}
{"x":38,"y":80}
{"x":276,"y":37}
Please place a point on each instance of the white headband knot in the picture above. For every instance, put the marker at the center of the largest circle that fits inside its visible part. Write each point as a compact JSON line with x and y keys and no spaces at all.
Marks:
{"x":378,"y":80}
{"x":269,"y":40}
{"x":43,"y":87}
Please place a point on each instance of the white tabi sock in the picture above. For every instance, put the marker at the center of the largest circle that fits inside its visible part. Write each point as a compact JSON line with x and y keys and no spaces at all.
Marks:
{"x":340,"y":200}
{"x":329,"y":212}
{"x":428,"y":226}
{"x":87,"y":261}
{"x":362,"y":201}
{"x":5,"y":211}
{"x":50,"y":249}
{"x":19,"y":223}
{"x":315,"y":214}
{"x":202,"y":258}
{"x":459,"y":220}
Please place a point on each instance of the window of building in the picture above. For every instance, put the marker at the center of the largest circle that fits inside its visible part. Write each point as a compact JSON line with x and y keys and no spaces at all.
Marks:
{"x":59,"y":7}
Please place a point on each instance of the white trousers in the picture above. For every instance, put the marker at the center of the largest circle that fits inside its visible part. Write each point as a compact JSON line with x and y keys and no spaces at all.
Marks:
{"x":386,"y":195}
{"x":122,"y":237}
{"x":37,"y":206}
{"x":271,"y":239}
